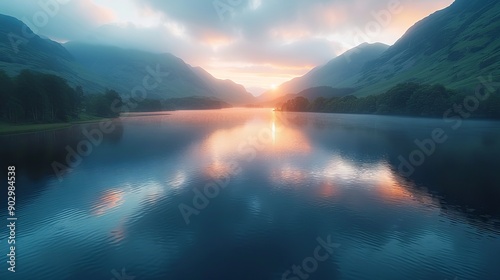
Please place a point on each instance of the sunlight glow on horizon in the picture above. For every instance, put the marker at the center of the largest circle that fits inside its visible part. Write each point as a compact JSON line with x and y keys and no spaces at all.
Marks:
{"x":268,"y":78}
{"x":261,"y":44}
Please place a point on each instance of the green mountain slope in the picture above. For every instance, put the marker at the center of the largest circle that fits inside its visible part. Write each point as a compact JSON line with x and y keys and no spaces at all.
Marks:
{"x":99,"y":67}
{"x":123,"y":70}
{"x":21,"y":49}
{"x":19,"y":45}
{"x":340,"y":72}
{"x":310,"y":94}
{"x":453,"y":47}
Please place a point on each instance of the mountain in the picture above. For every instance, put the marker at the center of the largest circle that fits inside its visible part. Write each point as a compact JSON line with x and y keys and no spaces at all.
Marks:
{"x":21,"y":49}
{"x":126,"y":69}
{"x":225,"y":89}
{"x":20,"y":46}
{"x":257,"y":91}
{"x":339,"y":72}
{"x":453,"y":46}
{"x":325,"y":91}
{"x":310,"y":93}
{"x":99,"y":67}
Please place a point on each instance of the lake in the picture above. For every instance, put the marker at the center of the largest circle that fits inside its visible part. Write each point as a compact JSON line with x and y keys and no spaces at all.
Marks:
{"x":256,"y":194}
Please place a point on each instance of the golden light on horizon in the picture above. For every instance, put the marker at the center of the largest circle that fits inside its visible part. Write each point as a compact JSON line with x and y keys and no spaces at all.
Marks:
{"x":267,"y":75}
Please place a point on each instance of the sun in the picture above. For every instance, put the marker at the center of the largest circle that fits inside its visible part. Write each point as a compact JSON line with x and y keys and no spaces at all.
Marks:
{"x":274,"y":87}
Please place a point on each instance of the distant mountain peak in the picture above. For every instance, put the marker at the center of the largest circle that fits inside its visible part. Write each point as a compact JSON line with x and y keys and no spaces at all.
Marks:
{"x":370,"y":49}
{"x":126,"y":68}
{"x":20,"y":46}
{"x":452,"y":46}
{"x":96,"y":67}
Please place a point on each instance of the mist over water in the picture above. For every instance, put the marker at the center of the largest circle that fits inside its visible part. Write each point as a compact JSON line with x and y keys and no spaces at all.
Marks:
{"x":279,"y":182}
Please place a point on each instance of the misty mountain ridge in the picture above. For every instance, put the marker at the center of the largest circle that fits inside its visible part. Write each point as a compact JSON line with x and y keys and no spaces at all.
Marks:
{"x":453,"y":47}
{"x":21,"y":49}
{"x":310,"y":93}
{"x":98,"y":67}
{"x":339,"y":72}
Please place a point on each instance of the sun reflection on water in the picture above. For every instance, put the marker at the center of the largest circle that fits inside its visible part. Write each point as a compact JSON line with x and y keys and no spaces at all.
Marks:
{"x":109,"y":200}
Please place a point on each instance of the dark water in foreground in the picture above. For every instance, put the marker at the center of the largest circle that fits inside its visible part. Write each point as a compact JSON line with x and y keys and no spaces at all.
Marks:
{"x":290,"y":184}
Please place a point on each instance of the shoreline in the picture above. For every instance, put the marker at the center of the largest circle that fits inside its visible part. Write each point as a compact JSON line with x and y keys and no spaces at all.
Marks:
{"x":472,"y":118}
{"x":7,"y":129}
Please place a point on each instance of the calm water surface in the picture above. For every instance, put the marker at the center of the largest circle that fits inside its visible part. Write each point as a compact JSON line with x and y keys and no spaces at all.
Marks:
{"x":285,"y":181}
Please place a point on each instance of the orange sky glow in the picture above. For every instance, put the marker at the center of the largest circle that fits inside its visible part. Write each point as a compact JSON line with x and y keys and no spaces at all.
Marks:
{"x":259,"y":44}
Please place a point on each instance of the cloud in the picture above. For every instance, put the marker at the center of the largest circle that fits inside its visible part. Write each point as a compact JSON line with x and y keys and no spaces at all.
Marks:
{"x":298,"y":33}
{"x":231,"y":37}
{"x":305,"y":52}
{"x":59,"y":19}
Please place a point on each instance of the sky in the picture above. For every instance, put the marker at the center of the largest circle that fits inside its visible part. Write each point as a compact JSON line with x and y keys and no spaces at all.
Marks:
{"x":257,"y":43}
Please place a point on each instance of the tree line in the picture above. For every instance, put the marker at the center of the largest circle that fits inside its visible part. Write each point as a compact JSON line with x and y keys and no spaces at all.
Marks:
{"x":44,"y":98}
{"x":180,"y":103}
{"x":33,"y":97}
{"x":407,"y":99}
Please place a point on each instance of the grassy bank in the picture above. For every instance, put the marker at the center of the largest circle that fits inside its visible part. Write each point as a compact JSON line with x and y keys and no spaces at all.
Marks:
{"x":18,"y":128}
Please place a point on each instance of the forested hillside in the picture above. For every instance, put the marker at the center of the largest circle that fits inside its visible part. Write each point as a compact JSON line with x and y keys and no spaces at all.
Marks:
{"x":407,"y":99}
{"x":44,"y":98}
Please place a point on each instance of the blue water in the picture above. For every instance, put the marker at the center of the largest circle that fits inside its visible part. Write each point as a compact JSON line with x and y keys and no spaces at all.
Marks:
{"x":261,"y":192}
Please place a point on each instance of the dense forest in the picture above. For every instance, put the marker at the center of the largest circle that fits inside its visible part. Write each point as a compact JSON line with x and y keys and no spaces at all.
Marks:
{"x":172,"y":104}
{"x":407,"y":99}
{"x":43,"y":98}
{"x":32,"y":97}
